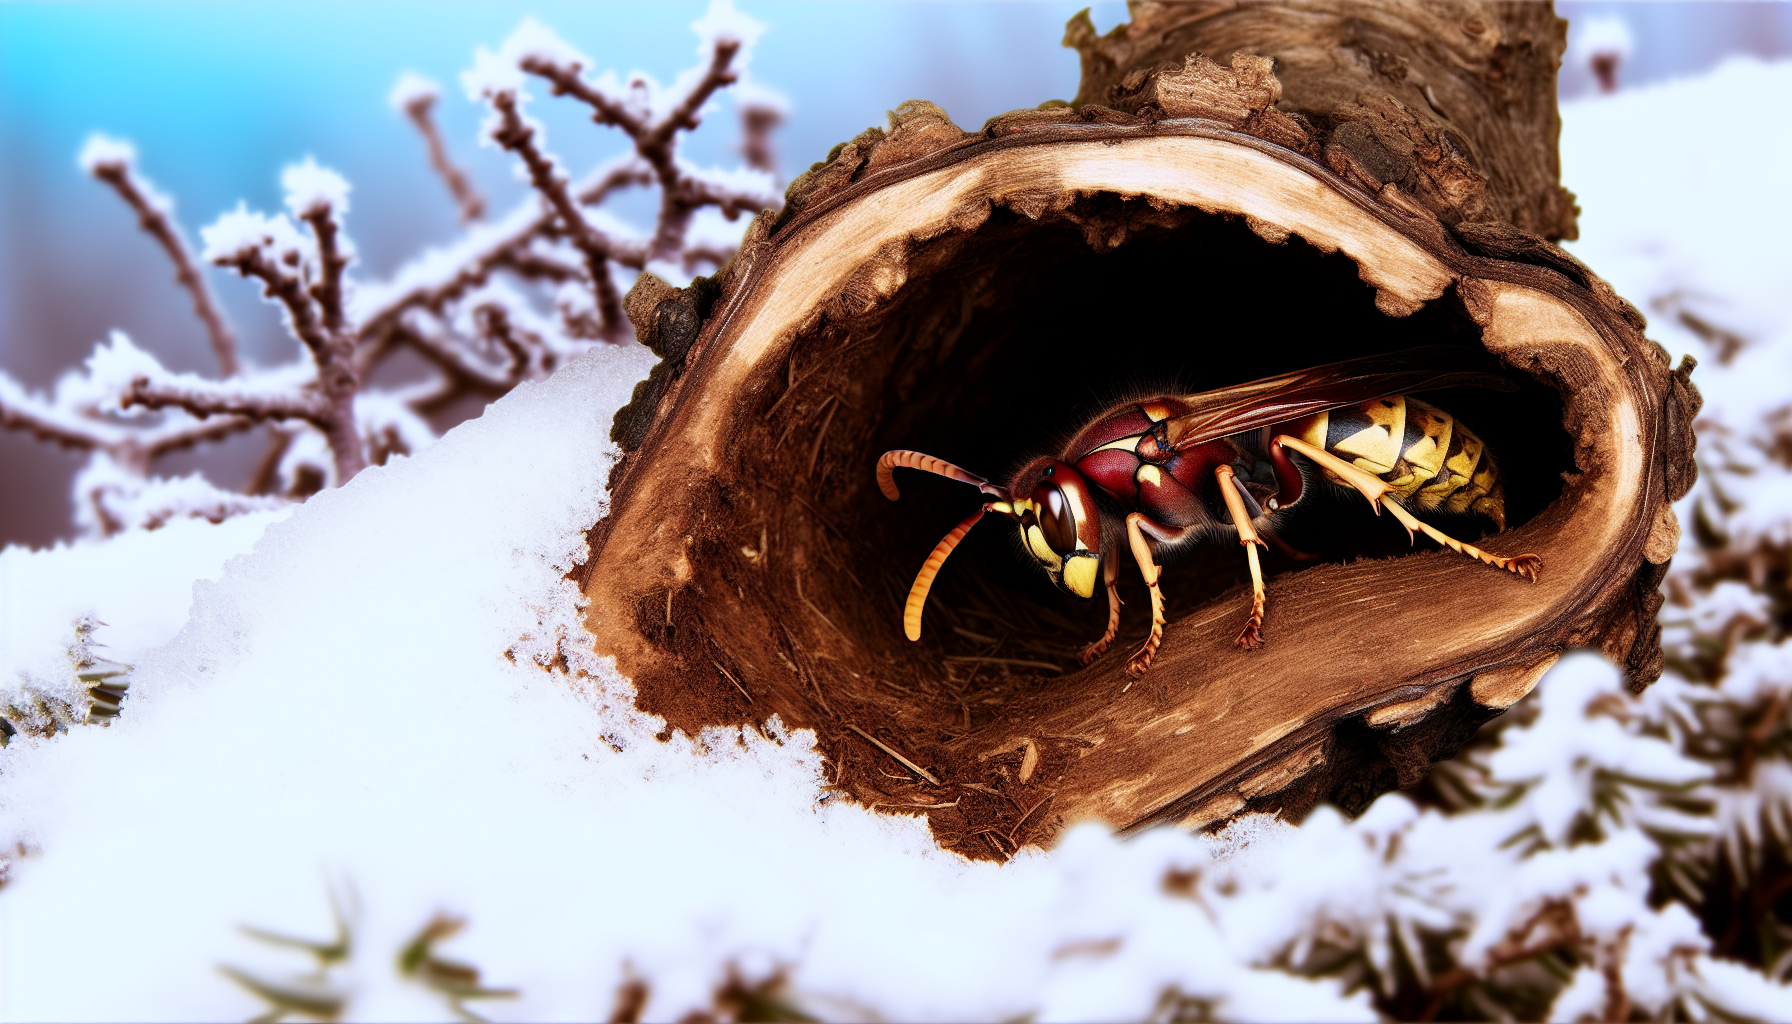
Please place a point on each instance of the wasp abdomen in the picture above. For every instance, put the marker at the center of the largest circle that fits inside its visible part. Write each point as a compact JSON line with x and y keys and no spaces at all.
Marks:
{"x":1432,"y":461}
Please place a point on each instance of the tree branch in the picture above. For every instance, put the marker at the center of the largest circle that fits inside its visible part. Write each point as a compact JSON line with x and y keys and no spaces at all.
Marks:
{"x":338,"y":376}
{"x":166,"y":438}
{"x":525,"y":348}
{"x":328,"y":289}
{"x":289,"y":292}
{"x":757,"y":120}
{"x":21,"y":410}
{"x":681,"y":193}
{"x":420,"y":111}
{"x":204,"y":398}
{"x":454,"y":360}
{"x":684,"y":115}
{"x":616,"y":178}
{"x":516,"y":135}
{"x":153,"y":218}
{"x":513,"y":251}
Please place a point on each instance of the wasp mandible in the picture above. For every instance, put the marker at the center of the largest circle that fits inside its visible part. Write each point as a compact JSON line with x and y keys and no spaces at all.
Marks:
{"x":1174,"y":471}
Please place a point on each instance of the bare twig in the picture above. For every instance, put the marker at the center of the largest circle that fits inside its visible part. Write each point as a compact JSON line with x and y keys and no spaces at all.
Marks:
{"x":757,"y":121}
{"x":730,"y":677}
{"x":514,"y":134}
{"x":212,"y":401}
{"x":154,"y":220}
{"x":337,"y":374}
{"x":886,"y":748}
{"x":20,"y":410}
{"x":459,"y":310}
{"x":681,"y":193}
{"x":454,"y":358}
{"x":421,"y":110}
{"x":327,"y":290}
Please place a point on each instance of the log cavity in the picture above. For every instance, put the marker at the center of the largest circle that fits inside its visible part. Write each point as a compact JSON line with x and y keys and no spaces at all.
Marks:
{"x":996,"y":347}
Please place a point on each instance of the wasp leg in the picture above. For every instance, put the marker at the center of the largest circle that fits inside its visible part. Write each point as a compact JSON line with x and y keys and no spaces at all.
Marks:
{"x":1523,"y":565}
{"x":1252,"y":636}
{"x":1141,"y":553}
{"x":1099,"y":647}
{"x":1368,"y":484}
{"x":1137,"y":526}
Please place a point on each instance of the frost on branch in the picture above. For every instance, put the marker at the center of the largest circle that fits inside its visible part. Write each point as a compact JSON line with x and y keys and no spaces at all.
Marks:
{"x":652,"y":117}
{"x":510,"y":301}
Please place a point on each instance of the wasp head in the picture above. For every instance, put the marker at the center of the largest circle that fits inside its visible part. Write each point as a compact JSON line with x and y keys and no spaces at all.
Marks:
{"x":1059,"y":523}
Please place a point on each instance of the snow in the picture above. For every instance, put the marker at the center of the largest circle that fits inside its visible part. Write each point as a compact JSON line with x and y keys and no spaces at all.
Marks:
{"x":360,"y":710}
{"x":102,"y":150}
{"x":110,"y":498}
{"x":1706,"y":254}
{"x":309,"y":186}
{"x":724,"y":22}
{"x":1559,"y":757}
{"x":340,"y":701}
{"x":1601,"y":34}
{"x":387,"y":422}
{"x":760,"y":185}
{"x":116,"y":363}
{"x":411,"y":89}
{"x":138,"y":585}
{"x":242,"y":230}
{"x":752,"y":94}
{"x":498,"y":72}
{"x":435,"y":267}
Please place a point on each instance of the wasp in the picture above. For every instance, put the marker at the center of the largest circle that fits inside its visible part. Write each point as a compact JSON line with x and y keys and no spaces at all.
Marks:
{"x":1158,"y":476}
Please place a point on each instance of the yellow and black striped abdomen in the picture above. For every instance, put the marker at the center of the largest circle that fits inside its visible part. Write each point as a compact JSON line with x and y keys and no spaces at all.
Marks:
{"x":1432,"y":461}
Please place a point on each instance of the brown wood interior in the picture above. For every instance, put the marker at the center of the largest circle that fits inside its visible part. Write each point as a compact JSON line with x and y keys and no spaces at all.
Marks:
{"x":996,"y":347}
{"x":1186,"y":224}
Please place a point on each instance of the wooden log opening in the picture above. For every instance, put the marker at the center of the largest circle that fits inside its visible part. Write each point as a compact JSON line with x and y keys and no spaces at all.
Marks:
{"x":977,"y":296}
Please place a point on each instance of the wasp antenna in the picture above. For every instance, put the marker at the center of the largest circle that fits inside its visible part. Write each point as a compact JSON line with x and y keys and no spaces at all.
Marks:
{"x":917,"y":594}
{"x":886,"y":472}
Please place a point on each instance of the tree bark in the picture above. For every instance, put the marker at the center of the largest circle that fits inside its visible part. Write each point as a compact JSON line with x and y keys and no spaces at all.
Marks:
{"x":1187,"y":224}
{"x":1453,"y":102}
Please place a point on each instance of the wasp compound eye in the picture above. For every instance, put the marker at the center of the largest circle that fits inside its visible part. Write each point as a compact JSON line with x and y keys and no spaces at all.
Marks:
{"x":1056,"y":521}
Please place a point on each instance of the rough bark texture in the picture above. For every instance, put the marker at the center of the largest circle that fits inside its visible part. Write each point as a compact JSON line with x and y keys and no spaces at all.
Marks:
{"x":971,"y":294}
{"x":1454,"y":103}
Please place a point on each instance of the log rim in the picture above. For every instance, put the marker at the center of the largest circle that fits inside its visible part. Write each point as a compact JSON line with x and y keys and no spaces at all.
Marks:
{"x":1602,"y":318}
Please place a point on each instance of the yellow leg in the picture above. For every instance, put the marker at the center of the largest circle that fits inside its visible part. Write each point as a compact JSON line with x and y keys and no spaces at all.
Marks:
{"x":1368,"y":484}
{"x":1141,"y":553}
{"x":1252,"y":636}
{"x":1523,"y":565}
{"x":1099,"y":647}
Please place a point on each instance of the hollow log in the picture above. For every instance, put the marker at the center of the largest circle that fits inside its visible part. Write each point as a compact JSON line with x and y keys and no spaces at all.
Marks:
{"x":1237,"y":191}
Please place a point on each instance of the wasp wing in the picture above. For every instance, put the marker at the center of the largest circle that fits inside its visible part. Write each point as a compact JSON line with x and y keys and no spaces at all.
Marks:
{"x":1291,"y":396}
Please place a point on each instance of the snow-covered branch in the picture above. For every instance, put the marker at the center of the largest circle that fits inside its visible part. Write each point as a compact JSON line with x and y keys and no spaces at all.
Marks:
{"x":48,"y":421}
{"x":416,"y":97}
{"x":471,"y":309}
{"x":115,"y":163}
{"x":516,"y":134}
{"x":204,"y":398}
{"x":683,"y":189}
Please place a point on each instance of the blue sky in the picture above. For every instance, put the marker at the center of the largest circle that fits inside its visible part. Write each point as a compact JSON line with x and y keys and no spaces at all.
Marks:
{"x":219,"y":96}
